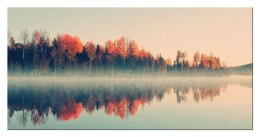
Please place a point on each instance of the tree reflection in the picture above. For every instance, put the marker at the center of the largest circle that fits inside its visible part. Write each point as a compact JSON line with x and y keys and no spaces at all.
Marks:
{"x":70,"y":110}
{"x":67,"y":103}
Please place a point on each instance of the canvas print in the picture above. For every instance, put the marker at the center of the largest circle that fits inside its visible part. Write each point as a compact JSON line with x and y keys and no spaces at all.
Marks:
{"x":130,"y":68}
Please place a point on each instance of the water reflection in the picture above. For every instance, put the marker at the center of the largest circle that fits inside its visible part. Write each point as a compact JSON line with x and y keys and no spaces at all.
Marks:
{"x":67,"y":102}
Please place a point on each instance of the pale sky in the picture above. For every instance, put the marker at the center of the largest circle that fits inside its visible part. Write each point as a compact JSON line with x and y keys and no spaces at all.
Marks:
{"x":225,"y":32}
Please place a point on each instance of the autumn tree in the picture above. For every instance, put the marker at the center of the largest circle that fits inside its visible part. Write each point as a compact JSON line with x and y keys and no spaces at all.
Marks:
{"x":214,"y":63}
{"x":120,"y":53}
{"x":71,"y":45}
{"x":111,"y":48}
{"x":121,"y":47}
{"x":132,"y":50}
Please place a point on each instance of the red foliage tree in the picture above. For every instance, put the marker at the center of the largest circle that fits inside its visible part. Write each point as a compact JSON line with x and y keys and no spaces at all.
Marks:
{"x":72,"y":45}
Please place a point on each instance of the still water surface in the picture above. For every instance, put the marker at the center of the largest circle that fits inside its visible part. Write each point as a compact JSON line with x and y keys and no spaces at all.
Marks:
{"x":179,"y":103}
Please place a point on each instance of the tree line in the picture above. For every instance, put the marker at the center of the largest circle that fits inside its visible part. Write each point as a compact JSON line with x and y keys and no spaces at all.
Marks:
{"x":66,"y":54}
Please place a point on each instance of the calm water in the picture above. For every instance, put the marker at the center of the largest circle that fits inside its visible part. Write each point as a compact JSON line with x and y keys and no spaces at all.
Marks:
{"x":161,"y":103}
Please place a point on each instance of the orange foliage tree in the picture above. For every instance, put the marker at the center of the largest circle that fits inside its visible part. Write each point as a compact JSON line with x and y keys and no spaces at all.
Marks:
{"x":111,"y":48}
{"x":70,"y":44}
{"x":132,"y":49}
{"x":121,"y":47}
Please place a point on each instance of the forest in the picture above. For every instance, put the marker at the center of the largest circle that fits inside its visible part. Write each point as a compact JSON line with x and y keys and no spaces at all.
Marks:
{"x":65,"y":54}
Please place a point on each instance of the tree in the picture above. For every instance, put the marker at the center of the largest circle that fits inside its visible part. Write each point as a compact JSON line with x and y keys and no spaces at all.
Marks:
{"x":42,"y":52}
{"x":111,"y":48}
{"x":36,"y":37}
{"x":214,"y":63}
{"x":132,"y":50}
{"x":181,"y":63}
{"x":72,"y":45}
{"x":143,"y":54}
{"x":91,"y":49}
{"x":209,"y":62}
{"x":57,"y":55}
{"x":24,"y":37}
{"x":12,"y":41}
{"x":121,"y":47}
{"x":98,"y":57}
{"x":196,"y":58}
{"x":132,"y":55}
{"x":204,"y":63}
{"x":9,"y":35}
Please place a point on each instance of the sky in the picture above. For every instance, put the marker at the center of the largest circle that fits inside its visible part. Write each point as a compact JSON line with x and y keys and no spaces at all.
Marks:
{"x":225,"y":32}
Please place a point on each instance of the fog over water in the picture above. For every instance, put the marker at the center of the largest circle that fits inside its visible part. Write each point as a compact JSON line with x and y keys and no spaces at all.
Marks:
{"x":127,"y":80}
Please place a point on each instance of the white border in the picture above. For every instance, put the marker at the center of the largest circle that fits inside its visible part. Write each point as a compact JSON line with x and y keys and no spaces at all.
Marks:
{"x":129,"y":3}
{"x":124,"y":3}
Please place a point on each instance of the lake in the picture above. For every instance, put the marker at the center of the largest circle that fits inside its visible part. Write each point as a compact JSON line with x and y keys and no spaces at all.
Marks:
{"x":130,"y":103}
